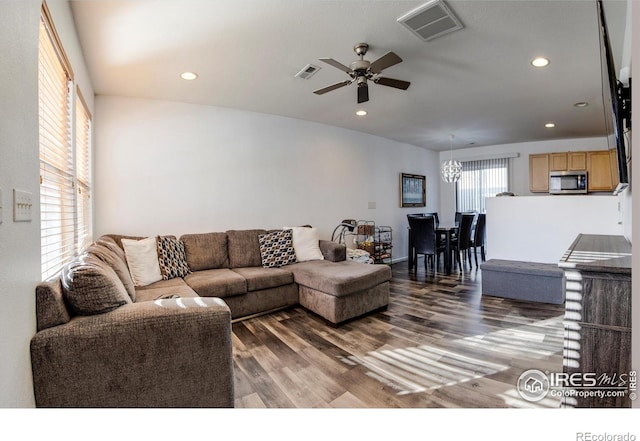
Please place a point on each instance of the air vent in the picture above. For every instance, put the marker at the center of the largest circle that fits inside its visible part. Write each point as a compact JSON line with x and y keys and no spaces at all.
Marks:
{"x":307,"y":71}
{"x":431,"y":20}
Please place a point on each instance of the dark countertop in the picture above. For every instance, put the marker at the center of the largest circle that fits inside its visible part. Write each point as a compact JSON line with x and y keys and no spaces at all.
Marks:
{"x":598,"y":253}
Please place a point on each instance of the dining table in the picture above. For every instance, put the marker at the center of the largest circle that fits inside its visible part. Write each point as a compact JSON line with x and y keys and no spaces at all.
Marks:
{"x":447,"y":232}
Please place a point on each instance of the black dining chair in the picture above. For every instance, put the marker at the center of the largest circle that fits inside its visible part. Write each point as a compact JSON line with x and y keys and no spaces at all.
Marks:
{"x":435,"y":215}
{"x":424,"y":241}
{"x":478,"y":237}
{"x":462,"y":243}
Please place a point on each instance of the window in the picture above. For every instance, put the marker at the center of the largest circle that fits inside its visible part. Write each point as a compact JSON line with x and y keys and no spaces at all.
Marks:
{"x":481,"y":179}
{"x":83,"y":172}
{"x":64,"y":215}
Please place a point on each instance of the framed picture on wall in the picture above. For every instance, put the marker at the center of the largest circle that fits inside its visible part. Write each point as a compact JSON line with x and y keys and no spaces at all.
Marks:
{"x":413,"y":192}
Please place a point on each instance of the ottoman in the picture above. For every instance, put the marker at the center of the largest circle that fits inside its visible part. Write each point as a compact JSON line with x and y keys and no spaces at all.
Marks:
{"x":531,"y":281}
{"x":340,"y":291}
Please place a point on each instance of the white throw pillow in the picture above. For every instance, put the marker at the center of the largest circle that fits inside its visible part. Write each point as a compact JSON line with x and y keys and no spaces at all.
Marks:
{"x":142,"y":258}
{"x":306,"y":243}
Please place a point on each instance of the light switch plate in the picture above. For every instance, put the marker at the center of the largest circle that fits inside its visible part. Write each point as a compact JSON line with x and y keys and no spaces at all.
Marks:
{"x":22,"y":205}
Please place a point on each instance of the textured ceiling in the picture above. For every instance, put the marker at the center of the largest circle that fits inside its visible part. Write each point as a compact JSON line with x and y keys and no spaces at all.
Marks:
{"x":475,"y":83}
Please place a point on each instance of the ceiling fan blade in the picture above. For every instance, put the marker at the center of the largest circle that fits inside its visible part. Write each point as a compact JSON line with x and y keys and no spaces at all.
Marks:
{"x":391,"y":82}
{"x":363,"y":93}
{"x":337,"y":64}
{"x":332,"y":87}
{"x":387,"y":60}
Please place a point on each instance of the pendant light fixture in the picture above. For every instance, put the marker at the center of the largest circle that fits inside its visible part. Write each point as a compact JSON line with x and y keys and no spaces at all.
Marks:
{"x":451,"y":169}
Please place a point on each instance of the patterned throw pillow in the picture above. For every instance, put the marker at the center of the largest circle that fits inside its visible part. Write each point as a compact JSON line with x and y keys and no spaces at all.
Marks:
{"x":172,"y":258}
{"x":276,"y":249}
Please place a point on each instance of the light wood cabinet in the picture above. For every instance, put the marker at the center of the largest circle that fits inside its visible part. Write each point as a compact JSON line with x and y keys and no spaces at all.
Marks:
{"x":539,"y":173}
{"x":613,"y":158}
{"x":601,"y":167}
{"x":557,"y":161}
{"x":599,"y":176}
{"x":576,"y":161}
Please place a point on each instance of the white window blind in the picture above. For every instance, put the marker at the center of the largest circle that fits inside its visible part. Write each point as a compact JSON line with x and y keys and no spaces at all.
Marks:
{"x":65,"y":217}
{"x":481,"y":179}
{"x":83,"y":172}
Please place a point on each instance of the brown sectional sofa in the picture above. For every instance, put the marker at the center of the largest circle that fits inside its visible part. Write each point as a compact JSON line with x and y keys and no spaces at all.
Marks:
{"x":168,"y":344}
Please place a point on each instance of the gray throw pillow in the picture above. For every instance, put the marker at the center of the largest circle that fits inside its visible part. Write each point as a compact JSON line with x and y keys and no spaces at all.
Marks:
{"x":91,"y":286}
{"x":112,"y":255}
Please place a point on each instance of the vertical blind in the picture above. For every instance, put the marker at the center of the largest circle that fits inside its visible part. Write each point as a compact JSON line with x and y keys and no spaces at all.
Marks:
{"x":64,"y":215}
{"x":481,"y":179}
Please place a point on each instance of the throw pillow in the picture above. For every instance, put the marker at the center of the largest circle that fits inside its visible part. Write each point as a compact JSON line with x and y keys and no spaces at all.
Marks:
{"x":91,"y":286}
{"x":172,"y":258}
{"x":276,"y":249}
{"x":306,"y":242}
{"x":106,"y":251}
{"x":142,"y":258}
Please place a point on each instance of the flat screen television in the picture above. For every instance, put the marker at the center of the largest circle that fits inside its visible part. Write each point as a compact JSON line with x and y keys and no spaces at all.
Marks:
{"x":616,"y":101}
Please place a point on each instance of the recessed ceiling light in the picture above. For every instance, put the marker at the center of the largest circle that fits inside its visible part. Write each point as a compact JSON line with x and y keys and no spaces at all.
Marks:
{"x":549,"y":125}
{"x":188,"y":76}
{"x":361,"y":112}
{"x":581,"y":104}
{"x":540,"y":62}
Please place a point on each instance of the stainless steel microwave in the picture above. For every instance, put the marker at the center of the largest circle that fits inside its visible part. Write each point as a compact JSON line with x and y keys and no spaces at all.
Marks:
{"x":568,"y":182}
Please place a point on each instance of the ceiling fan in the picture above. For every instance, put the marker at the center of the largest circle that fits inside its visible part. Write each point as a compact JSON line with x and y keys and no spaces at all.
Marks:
{"x":363,"y":70}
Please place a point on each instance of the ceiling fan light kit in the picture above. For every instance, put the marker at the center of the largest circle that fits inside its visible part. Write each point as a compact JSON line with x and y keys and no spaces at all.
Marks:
{"x":362,"y":71}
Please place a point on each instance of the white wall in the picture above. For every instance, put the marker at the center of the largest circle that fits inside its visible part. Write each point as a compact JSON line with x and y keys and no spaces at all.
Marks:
{"x":19,"y":168}
{"x":541,"y":228}
{"x":19,"y":242}
{"x":174,"y":168}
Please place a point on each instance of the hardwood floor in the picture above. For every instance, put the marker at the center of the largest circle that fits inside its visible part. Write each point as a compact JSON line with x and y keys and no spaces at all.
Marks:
{"x":439,"y":344}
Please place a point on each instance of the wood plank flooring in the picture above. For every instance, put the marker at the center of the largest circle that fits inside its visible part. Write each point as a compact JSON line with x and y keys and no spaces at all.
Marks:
{"x":439,"y":344}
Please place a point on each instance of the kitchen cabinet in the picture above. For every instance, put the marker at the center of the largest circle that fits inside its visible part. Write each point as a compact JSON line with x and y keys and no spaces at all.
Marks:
{"x":613,"y":158}
{"x":539,"y":173}
{"x":599,"y":176}
{"x":576,"y":161}
{"x":601,"y":167}
{"x":557,"y":161}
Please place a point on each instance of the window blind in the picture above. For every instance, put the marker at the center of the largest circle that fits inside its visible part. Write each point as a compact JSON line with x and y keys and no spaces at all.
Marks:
{"x":481,"y":179}
{"x":83,"y":172}
{"x":57,"y":195}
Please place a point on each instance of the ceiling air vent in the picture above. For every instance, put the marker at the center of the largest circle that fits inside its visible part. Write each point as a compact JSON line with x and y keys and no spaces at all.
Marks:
{"x":431,"y":20}
{"x":307,"y":71}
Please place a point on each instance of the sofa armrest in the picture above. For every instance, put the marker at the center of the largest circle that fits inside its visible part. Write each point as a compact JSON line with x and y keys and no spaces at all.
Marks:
{"x":165,"y":353}
{"x":335,"y":252}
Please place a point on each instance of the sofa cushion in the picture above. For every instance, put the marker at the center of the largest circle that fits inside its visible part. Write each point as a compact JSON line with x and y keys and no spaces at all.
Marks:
{"x":306,"y":243}
{"x":172,"y":258}
{"x":116,"y":260}
{"x":142,"y":258}
{"x":220,"y":282}
{"x":339,"y":278}
{"x":206,"y":251}
{"x":276,"y":249}
{"x":244,"y":248}
{"x":264,"y":278}
{"x":90,"y":286}
{"x":164,"y":289}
